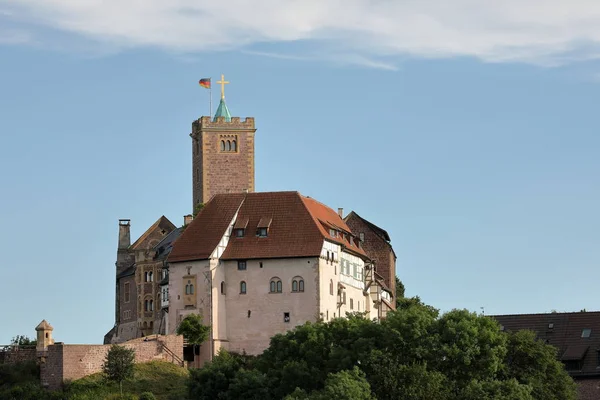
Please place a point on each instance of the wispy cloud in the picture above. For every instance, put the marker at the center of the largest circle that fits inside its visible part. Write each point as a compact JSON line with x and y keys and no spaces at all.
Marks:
{"x":13,"y":36}
{"x":545,"y":32}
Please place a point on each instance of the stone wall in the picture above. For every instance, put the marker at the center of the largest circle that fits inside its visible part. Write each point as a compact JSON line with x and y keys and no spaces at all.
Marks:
{"x":69,"y":362}
{"x":17,"y":354}
{"x":588,"y":389}
{"x":377,"y":249}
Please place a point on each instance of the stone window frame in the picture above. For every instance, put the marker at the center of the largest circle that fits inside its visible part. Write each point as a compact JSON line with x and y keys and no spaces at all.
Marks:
{"x":126,"y":292}
{"x":297,"y":284}
{"x":275,"y":285}
{"x":228,"y":143}
{"x":189,"y":287}
{"x":243,"y":287}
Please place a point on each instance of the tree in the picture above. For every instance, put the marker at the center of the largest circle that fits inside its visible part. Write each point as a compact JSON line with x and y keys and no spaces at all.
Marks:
{"x":193,"y":330}
{"x":197,"y":208}
{"x":399,"y":289}
{"x":118,"y":364}
{"x":22,"y":340}
{"x":414,"y":354}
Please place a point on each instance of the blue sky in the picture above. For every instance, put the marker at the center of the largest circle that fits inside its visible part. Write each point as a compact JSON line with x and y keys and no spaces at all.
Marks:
{"x":469,"y":133}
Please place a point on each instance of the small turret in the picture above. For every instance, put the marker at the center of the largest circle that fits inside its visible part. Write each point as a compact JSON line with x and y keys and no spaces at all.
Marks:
{"x":44,"y":335}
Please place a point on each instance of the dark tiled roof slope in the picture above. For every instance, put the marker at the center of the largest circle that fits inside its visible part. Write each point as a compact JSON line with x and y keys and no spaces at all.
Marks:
{"x":203,"y":234}
{"x":165,"y":246}
{"x":565,"y":332}
{"x":379,"y":231}
{"x":162,"y":223}
{"x":292,"y":231}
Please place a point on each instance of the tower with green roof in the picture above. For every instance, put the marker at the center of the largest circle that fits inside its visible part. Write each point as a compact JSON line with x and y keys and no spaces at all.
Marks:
{"x":222,"y":153}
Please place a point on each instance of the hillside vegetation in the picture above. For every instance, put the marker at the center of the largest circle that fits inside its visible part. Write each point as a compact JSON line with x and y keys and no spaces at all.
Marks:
{"x":164,"y":380}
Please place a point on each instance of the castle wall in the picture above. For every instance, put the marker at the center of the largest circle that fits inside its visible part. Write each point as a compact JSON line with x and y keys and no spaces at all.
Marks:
{"x":17,"y":354}
{"x":252,"y":332}
{"x":70,"y":362}
{"x":378,"y":250}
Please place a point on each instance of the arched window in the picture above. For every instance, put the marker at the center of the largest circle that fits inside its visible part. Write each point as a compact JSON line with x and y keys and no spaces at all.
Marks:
{"x":151,"y":305}
{"x":150,"y":277}
{"x":298,"y":284}
{"x":146,"y":305}
{"x":331,"y":287}
{"x":222,"y":287}
{"x":275,"y":286}
{"x":228,"y":145}
{"x":222,"y":145}
{"x":242,"y":287}
{"x":189,"y":288}
{"x":233,"y":145}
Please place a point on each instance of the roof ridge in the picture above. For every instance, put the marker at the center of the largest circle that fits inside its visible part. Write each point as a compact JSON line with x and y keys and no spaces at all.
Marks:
{"x":547,"y":313}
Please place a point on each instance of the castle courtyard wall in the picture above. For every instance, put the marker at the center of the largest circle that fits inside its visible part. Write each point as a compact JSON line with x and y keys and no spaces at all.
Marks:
{"x":74,"y":361}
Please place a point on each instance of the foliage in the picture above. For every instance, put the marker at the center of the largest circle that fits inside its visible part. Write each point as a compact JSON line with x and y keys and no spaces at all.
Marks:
{"x":414,"y":354}
{"x":118,"y":364}
{"x":193,"y":330}
{"x":22,"y":340}
{"x":147,"y":396}
{"x":399,"y":289}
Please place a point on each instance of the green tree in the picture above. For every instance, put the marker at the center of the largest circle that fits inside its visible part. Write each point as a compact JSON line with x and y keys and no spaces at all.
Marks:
{"x":193,"y":330}
{"x":22,"y":340}
{"x":197,"y":208}
{"x":118,"y":364}
{"x":399,"y":289}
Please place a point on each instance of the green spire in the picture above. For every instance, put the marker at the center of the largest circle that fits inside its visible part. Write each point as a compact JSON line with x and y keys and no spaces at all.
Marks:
{"x":222,"y":111}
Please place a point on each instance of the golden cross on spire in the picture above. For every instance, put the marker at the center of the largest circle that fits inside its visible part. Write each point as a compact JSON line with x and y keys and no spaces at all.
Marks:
{"x":222,"y":82}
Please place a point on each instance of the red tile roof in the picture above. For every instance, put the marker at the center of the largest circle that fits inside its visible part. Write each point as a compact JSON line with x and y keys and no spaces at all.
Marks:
{"x":297,"y":227}
{"x":326,"y":219}
{"x":564,"y":331}
{"x":291,"y":233}
{"x":203,"y":234}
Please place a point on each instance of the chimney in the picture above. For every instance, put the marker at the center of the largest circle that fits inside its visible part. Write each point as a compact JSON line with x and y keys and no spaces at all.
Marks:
{"x":124,"y":236}
{"x":341,"y":212}
{"x":187,"y":219}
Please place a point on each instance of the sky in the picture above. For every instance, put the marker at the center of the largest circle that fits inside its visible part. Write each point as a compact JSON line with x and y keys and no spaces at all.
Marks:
{"x":467,"y":129}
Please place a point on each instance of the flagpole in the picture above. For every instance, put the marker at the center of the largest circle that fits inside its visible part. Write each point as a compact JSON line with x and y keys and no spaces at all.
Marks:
{"x":210,"y":101}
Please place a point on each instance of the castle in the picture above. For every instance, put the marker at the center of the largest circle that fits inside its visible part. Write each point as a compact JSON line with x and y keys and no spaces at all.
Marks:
{"x":252,"y":264}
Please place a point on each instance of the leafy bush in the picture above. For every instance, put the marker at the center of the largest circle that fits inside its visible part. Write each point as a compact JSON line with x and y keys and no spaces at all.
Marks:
{"x":147,"y":396}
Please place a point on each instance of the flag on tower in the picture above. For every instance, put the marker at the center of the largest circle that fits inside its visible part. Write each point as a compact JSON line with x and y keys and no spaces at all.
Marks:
{"x":205,"y":83}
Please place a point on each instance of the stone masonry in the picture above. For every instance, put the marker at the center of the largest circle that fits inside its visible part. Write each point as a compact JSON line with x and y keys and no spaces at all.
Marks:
{"x":64,"y":362}
{"x":218,"y":170}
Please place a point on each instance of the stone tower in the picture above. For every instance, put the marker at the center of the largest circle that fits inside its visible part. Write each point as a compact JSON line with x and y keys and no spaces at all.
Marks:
{"x":44,"y":336}
{"x":222,"y":154}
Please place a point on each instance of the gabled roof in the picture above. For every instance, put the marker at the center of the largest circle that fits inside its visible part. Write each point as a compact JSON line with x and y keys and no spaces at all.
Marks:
{"x":565,"y":332}
{"x":297,"y":227}
{"x":326,"y":218}
{"x":161,"y":223}
{"x":292,"y":231}
{"x":379,"y":231}
{"x":202,"y":235}
{"x":127,"y":272}
{"x":165,"y":246}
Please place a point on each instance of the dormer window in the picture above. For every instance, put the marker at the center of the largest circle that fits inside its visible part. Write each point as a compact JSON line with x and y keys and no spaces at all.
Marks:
{"x":262,"y":229}
{"x":261,"y":232}
{"x":332,"y":233}
{"x":239,"y":227}
{"x":586,"y":333}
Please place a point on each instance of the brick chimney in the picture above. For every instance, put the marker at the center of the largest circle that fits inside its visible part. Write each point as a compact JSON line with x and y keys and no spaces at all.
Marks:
{"x":124,"y":234}
{"x":341,"y":212}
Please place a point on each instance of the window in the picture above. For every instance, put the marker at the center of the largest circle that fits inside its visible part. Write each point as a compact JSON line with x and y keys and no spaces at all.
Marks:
{"x":331,"y":287}
{"x":146,"y":305}
{"x":261,"y":232}
{"x":127,"y":293}
{"x":241,"y":265}
{"x":189,"y":288}
{"x":222,"y":287}
{"x":275,"y":285}
{"x":233,"y":145}
{"x":352,"y":304}
{"x":344,"y":298}
{"x":332,"y":233}
{"x":550,"y":326}
{"x":148,"y":277}
{"x":228,"y":145}
{"x":298,"y":284}
{"x":586,"y":333}
{"x":239,"y":232}
{"x":262,"y":228}
{"x":222,"y":145}
{"x":286,"y":317}
{"x":361,"y":236}
{"x":242,"y":287}
{"x":598,"y":358}
{"x":358,"y":303}
{"x":151,"y":305}
{"x":572,"y":365}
